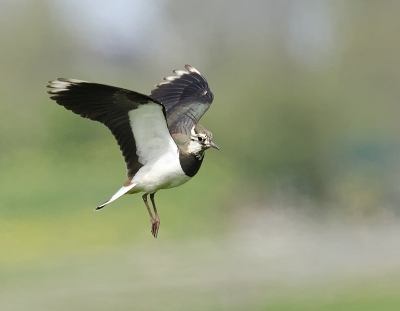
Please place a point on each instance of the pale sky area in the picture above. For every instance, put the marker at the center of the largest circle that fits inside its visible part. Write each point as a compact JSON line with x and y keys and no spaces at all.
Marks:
{"x":115,"y":28}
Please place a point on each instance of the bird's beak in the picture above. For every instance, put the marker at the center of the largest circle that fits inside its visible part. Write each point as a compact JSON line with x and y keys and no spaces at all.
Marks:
{"x":214,"y":145}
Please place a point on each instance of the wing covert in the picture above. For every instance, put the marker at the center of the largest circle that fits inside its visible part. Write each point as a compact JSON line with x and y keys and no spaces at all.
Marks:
{"x":186,"y":97}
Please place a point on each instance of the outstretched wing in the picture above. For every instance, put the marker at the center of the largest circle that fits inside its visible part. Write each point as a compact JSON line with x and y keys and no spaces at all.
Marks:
{"x":186,"y":97}
{"x":137,"y":121}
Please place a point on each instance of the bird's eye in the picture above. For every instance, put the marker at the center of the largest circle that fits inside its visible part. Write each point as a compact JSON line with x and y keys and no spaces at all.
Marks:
{"x":200,"y":138}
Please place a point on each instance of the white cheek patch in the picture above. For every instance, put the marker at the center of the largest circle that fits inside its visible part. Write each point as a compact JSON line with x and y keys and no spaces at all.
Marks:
{"x":194,"y":147}
{"x":192,"y":132}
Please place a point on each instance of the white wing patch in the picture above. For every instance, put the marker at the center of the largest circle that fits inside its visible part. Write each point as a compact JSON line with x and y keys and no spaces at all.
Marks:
{"x":151,"y":133}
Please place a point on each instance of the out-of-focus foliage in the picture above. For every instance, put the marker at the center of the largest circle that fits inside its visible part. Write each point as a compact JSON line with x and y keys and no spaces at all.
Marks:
{"x":306,"y":114}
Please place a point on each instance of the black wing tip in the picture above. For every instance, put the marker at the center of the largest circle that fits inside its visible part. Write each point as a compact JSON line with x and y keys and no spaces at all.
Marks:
{"x":190,"y":70}
{"x":62,"y":84}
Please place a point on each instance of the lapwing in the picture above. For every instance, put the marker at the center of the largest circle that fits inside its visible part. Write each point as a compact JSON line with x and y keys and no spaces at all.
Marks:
{"x":159,"y":135}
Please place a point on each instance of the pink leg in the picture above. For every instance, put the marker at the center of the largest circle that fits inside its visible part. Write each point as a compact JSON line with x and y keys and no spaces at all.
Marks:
{"x":156,"y":224}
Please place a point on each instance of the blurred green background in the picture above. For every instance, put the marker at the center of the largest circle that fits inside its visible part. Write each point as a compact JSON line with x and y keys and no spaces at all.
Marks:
{"x":299,"y":210}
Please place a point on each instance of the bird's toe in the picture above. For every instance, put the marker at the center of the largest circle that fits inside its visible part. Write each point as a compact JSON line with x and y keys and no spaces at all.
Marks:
{"x":155,"y":225}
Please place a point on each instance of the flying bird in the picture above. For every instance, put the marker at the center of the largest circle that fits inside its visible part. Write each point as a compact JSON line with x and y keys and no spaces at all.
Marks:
{"x":159,"y":135}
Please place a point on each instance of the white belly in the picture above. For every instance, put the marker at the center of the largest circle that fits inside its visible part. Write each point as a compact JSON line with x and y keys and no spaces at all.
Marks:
{"x":164,"y":173}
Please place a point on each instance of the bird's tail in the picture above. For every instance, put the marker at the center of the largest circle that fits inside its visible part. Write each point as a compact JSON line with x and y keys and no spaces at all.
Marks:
{"x":119,"y":193}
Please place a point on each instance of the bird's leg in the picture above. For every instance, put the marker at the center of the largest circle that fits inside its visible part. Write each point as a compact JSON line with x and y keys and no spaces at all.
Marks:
{"x":152,"y":220}
{"x":144,"y":197}
{"x":156,"y":225}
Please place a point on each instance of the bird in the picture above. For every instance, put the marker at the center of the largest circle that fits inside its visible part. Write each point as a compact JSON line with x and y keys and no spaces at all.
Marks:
{"x":159,"y":134}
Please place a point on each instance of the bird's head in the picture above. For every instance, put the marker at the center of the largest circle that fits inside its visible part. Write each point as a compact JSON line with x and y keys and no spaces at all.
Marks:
{"x":200,"y":139}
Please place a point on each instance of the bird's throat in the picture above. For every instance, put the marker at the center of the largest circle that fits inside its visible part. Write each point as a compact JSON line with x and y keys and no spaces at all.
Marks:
{"x":191,"y":162}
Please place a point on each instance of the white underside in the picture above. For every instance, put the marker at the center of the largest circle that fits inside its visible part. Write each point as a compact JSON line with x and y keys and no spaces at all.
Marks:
{"x":164,"y":173}
{"x":156,"y":149}
{"x":157,"y":152}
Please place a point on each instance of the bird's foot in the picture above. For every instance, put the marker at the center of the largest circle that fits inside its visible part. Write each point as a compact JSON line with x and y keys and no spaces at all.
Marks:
{"x":155,"y":225}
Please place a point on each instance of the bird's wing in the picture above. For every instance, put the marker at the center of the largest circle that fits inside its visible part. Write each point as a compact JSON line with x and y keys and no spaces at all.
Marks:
{"x":137,"y":121}
{"x":186,"y":97}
